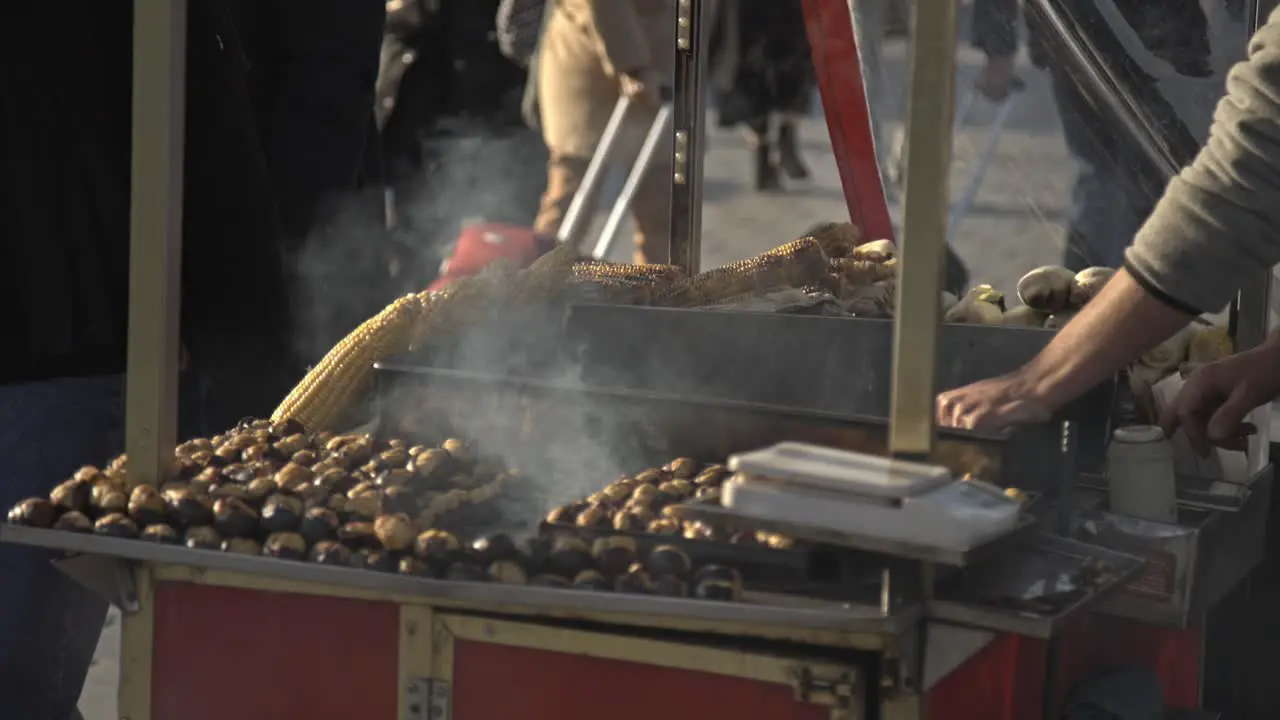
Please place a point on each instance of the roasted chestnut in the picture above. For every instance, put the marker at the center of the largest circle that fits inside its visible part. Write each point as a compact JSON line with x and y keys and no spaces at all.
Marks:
{"x":241,"y":546}
{"x":379,"y":560}
{"x":285,"y":545}
{"x":330,"y":552}
{"x":318,"y":523}
{"x":508,"y":572}
{"x":286,"y":427}
{"x":670,"y":586}
{"x":430,"y":463}
{"x":652,"y":476}
{"x":493,"y":548}
{"x":116,"y":525}
{"x":594,"y":517}
{"x":643,"y":496}
{"x":234,"y":518}
{"x":613,"y":554}
{"x":466,"y":572}
{"x":305,"y":457}
{"x":707,"y":492}
{"x":73,"y":521}
{"x":629,"y":522}
{"x":394,"y":458}
{"x":203,"y":538}
{"x":161,"y":533}
{"x":242,"y":474}
{"x":549,"y":581}
{"x":190,"y":509}
{"x":334,"y":480}
{"x":410,"y":565}
{"x":399,"y":500}
{"x":590,"y":580}
{"x":437,"y":547}
{"x":358,"y":536}
{"x":293,"y":477}
{"x":88,"y":473}
{"x":105,"y":499}
{"x":676,"y":489}
{"x":617,"y":493}
{"x":396,"y":477}
{"x":259,"y":489}
{"x":634,"y":580}
{"x":72,"y":495}
{"x":563,"y":515}
{"x":683,"y":468}
{"x":364,"y":507}
{"x":668,"y":560}
{"x":717,"y":590}
{"x":291,"y":444}
{"x":395,"y":532}
{"x":458,"y":450}
{"x":664,"y":526}
{"x":281,"y":513}
{"x":34,"y":512}
{"x":712,"y":475}
{"x":700,"y":531}
{"x":569,"y":556}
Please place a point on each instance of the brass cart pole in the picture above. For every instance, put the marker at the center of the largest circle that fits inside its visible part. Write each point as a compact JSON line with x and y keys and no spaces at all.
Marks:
{"x":155,"y":256}
{"x":689,"y":108}
{"x":930,"y":107}
{"x":155,"y":243}
{"x":927,"y":196}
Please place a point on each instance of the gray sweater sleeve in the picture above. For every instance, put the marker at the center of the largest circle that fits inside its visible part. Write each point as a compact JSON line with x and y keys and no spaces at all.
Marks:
{"x":1219,"y":219}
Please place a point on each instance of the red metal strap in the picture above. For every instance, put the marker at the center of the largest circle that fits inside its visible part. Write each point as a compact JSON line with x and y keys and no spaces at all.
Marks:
{"x":829,"y":26}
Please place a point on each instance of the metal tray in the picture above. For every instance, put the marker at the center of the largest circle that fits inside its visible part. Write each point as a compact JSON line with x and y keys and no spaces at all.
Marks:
{"x":798,"y":569}
{"x":1043,"y":566}
{"x":764,"y":609}
{"x":713,"y":512}
{"x":552,"y":428}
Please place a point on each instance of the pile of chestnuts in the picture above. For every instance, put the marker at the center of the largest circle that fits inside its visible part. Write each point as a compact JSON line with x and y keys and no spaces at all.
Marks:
{"x":639,"y":504}
{"x":270,"y":488}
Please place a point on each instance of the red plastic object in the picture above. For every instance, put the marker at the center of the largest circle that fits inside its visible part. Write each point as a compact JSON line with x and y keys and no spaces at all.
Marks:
{"x":484,"y":243}
{"x":1004,"y":681}
{"x":1098,"y":642}
{"x":829,"y":27}
{"x":493,"y":681}
{"x":223,"y":653}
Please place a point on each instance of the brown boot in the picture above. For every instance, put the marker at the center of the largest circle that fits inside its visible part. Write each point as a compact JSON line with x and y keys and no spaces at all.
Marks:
{"x":767,"y":178}
{"x":789,"y":153}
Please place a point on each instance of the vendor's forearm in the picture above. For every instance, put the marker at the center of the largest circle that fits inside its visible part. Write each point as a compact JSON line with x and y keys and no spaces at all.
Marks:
{"x":1217,"y":222}
{"x":1117,"y":326}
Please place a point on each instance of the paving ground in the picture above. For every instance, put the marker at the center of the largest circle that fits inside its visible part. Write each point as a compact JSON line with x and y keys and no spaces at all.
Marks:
{"x":1016,"y":224}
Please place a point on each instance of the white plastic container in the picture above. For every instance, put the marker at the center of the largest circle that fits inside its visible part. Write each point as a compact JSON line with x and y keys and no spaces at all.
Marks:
{"x":1140,"y":465}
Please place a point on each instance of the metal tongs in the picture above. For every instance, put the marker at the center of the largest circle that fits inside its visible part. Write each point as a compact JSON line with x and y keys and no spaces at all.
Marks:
{"x":581,"y":208}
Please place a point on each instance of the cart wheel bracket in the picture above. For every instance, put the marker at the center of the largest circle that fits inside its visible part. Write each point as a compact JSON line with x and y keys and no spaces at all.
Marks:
{"x":835,"y":690}
{"x":427,"y":699}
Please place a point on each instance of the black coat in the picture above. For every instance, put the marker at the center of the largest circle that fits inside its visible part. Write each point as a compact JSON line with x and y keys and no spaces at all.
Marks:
{"x":65,"y":72}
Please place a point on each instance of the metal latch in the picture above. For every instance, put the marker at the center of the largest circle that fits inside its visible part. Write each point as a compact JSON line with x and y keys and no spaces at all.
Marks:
{"x":427,"y":699}
{"x":835,"y":690}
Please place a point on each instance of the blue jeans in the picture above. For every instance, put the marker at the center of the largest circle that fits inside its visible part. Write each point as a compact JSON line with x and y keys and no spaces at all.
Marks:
{"x":49,"y":625}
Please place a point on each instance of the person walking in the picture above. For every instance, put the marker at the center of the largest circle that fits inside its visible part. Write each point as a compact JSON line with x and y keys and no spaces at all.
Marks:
{"x":592,"y":52}
{"x":764,"y":81}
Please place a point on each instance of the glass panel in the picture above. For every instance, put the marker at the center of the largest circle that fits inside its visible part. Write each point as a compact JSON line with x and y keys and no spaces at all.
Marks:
{"x":1117,"y":95}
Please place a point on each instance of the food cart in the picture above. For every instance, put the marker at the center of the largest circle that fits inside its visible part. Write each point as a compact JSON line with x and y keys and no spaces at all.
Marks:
{"x":892,"y":630}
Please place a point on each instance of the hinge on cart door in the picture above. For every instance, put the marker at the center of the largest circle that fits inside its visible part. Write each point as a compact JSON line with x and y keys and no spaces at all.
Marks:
{"x":837,"y":691}
{"x":427,"y":700}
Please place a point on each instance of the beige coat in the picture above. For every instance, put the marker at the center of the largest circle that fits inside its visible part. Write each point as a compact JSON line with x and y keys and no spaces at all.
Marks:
{"x":587,"y":44}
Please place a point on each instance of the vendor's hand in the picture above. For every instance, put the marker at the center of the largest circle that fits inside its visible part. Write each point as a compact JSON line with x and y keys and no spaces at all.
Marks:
{"x":642,"y":87}
{"x":992,"y":404}
{"x":997,"y":80}
{"x":1212,"y":406}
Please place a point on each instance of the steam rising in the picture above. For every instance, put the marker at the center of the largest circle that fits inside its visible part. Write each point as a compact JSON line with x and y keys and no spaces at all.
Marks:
{"x":344,"y":276}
